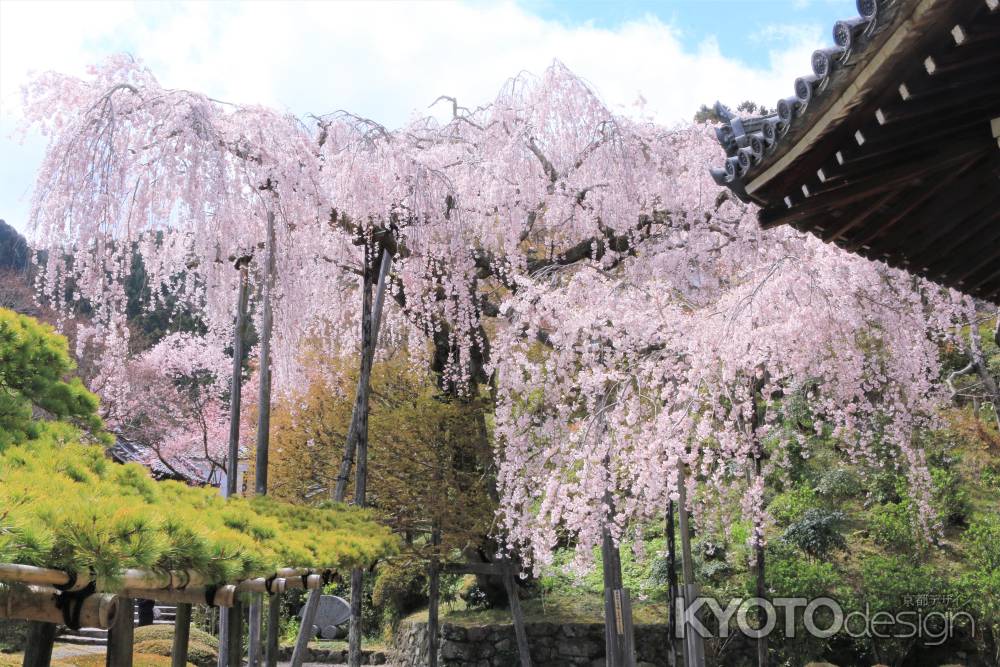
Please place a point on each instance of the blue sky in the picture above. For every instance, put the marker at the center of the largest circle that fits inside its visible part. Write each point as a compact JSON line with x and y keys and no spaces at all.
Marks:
{"x":390,"y":60}
{"x":741,"y":26}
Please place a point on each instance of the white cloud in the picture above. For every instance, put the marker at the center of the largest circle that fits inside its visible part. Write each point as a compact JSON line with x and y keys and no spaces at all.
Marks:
{"x":384,"y":60}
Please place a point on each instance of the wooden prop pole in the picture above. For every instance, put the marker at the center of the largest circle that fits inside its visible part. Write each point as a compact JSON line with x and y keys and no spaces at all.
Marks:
{"x":434,"y":590}
{"x":264,"y":395}
{"x":182,"y":633}
{"x":121,"y":635}
{"x":361,"y":395}
{"x":41,"y":604}
{"x":308,"y":616}
{"x":233,"y":455}
{"x":523,"y":650}
{"x":368,"y":332}
{"x":694,"y":643}
{"x":38,"y":652}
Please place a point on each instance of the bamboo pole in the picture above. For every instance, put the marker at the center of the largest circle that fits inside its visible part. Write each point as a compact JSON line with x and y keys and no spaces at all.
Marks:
{"x":182,"y":633}
{"x":39,"y":604}
{"x":41,"y":576}
{"x":143,"y":583}
{"x":222,"y":597}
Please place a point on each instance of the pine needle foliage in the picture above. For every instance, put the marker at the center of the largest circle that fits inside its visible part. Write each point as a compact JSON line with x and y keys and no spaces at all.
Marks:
{"x":65,"y":506}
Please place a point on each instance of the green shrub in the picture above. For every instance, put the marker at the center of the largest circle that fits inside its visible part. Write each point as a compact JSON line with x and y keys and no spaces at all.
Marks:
{"x":950,"y":500}
{"x":817,"y":533}
{"x":199,"y":654}
{"x":789,"y":506}
{"x":892,"y":525}
{"x":149,"y":632}
{"x":838,"y":483}
{"x":982,"y":543}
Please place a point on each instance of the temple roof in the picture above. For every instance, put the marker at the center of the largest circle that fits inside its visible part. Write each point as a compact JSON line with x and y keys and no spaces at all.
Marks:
{"x":889,"y":148}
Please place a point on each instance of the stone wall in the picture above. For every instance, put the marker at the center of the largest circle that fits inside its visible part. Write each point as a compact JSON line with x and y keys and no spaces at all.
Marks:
{"x":552,"y":645}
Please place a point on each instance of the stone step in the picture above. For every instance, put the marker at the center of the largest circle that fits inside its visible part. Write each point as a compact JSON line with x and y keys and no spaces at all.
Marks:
{"x":79,"y":640}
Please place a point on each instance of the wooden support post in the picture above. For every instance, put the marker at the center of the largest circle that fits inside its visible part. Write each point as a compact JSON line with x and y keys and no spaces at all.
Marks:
{"x":121,"y":636}
{"x":235,"y":635}
{"x":41,"y":636}
{"x":305,"y":632}
{"x":253,"y":632}
{"x":264,"y":395}
{"x":671,"y":587}
{"x":517,"y":615}
{"x":233,"y":455}
{"x":273,"y":621}
{"x":434,"y":599}
{"x":694,"y":644}
{"x":182,"y":632}
{"x":619,"y":647}
{"x":361,"y":472}
{"x":236,"y":388}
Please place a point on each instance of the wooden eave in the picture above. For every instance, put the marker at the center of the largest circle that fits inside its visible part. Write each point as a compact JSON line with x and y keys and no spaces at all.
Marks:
{"x":898,"y":158}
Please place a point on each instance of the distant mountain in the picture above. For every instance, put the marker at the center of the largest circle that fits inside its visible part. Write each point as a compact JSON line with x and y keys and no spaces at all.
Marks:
{"x":13,"y":249}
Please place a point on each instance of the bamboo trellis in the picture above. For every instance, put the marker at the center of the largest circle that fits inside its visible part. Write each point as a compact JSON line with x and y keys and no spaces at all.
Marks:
{"x":47,"y":597}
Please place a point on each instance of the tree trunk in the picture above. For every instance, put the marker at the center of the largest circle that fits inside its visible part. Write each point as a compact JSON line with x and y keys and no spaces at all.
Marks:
{"x":364,"y":378}
{"x":182,"y":633}
{"x":979,"y":363}
{"x":38,"y":652}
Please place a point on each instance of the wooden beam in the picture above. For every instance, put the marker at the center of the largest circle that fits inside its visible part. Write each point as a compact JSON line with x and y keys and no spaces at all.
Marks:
{"x":926,"y":203}
{"x":902,"y":212}
{"x":866,"y":212}
{"x":849,"y":193}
